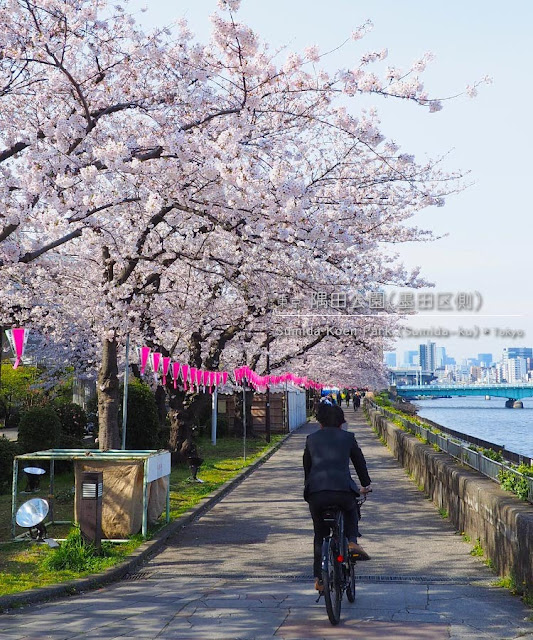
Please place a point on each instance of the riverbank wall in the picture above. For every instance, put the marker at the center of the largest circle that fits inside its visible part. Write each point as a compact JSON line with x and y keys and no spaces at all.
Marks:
{"x":475,"y":505}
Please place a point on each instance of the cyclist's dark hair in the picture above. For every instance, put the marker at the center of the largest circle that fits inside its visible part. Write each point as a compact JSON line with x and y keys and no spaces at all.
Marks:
{"x":330,"y":415}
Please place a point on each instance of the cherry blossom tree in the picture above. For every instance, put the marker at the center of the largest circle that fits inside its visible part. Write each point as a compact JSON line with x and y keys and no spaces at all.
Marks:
{"x":156,"y":187}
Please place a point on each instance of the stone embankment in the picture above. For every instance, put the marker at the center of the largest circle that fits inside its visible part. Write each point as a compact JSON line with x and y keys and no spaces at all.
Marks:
{"x":475,"y":504}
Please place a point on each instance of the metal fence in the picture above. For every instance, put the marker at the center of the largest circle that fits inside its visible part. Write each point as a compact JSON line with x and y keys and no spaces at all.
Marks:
{"x":459,"y":449}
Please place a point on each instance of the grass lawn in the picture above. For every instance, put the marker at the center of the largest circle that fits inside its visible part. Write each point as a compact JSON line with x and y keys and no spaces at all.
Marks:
{"x":22,"y":563}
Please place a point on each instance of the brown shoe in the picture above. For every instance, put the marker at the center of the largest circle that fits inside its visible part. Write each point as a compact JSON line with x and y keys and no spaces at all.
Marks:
{"x":319,"y":585}
{"x":358,"y":551}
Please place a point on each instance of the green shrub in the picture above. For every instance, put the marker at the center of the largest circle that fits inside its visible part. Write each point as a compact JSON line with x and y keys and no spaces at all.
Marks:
{"x":73,"y":422}
{"x":8,"y":451}
{"x":142,"y":428}
{"x":517,"y":484}
{"x":74,"y":554}
{"x":39,"y":429}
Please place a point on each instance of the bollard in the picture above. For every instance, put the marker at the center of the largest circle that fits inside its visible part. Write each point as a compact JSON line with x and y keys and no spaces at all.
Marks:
{"x":91,"y":507}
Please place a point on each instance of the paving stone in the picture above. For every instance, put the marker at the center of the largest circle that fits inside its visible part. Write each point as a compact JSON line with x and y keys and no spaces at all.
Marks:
{"x":243,"y":572}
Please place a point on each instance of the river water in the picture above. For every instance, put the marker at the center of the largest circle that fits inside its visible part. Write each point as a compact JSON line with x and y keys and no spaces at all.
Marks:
{"x":486,"y":419}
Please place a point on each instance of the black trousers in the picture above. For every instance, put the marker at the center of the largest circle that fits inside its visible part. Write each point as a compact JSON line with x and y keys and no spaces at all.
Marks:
{"x":318,"y":501}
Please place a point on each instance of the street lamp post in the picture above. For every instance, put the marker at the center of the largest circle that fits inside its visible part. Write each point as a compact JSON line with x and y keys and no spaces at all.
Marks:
{"x":267,"y":410}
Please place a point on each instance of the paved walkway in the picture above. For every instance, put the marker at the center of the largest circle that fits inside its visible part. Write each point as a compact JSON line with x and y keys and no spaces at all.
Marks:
{"x":243,"y":571}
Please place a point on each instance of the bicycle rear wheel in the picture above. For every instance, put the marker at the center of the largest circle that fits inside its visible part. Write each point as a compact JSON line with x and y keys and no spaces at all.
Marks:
{"x":331,"y":579}
{"x":350,"y":581}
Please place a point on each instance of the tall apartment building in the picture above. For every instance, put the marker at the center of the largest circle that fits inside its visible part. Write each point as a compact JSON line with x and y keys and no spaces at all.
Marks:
{"x":428,"y":356}
{"x":516,"y":369}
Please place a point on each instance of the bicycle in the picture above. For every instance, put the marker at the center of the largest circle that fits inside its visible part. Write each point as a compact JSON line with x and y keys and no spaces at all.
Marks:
{"x":338,"y":565}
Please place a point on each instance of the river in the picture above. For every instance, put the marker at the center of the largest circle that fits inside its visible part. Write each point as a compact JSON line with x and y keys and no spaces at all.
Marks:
{"x":486,"y":419}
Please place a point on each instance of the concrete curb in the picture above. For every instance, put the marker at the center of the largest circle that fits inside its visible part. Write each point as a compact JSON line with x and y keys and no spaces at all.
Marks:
{"x":141,"y":555}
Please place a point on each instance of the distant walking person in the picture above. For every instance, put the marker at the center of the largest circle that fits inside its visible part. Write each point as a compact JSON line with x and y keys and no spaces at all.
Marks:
{"x":357,"y":400}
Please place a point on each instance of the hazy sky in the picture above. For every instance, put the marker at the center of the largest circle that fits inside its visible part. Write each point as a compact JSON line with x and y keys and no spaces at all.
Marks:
{"x":488,"y":247}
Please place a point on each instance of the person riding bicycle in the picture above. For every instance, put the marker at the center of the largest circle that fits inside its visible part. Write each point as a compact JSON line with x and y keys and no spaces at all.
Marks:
{"x":328,"y":481}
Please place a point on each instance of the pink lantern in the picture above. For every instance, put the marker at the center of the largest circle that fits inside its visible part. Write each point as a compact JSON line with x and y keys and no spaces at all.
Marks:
{"x":155,"y":361}
{"x":145,"y":355}
{"x":224,"y":377}
{"x":175,"y":373}
{"x":17,"y":339}
{"x":184,"y":375}
{"x":166,"y":367}
{"x":192,"y":373}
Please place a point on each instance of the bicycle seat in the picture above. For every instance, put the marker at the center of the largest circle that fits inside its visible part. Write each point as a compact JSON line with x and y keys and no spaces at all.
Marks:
{"x":329,"y":513}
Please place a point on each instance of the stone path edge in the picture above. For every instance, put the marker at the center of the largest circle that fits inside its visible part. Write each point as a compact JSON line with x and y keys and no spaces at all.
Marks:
{"x":141,"y":555}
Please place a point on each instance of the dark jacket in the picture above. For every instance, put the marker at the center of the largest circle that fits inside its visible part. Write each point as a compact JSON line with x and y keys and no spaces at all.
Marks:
{"x":327,"y":456}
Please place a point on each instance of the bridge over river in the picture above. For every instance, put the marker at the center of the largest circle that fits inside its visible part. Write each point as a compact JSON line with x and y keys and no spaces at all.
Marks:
{"x":513,"y":392}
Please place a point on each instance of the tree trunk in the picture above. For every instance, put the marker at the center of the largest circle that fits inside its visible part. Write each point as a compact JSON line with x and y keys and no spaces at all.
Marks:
{"x":180,"y":441}
{"x":161,"y":403}
{"x":186,"y":412}
{"x":108,"y":398}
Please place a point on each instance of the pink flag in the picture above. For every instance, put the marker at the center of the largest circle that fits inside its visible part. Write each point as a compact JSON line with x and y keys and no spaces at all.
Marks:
{"x":218,"y":378}
{"x":205,"y":380}
{"x":224,"y":377}
{"x":175,"y":373}
{"x":145,"y":354}
{"x":199,"y":374}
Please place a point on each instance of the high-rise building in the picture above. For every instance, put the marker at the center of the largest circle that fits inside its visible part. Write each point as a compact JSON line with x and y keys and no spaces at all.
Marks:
{"x":485,"y":359}
{"x":409,"y":357}
{"x":509,"y":353}
{"x":390,"y":358}
{"x":427,"y":354}
{"x":441,"y":357}
{"x":516,"y":370}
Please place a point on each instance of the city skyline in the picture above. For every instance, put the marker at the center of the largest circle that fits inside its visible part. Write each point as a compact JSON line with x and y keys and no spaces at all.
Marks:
{"x":431,"y":363}
{"x":449,"y":354}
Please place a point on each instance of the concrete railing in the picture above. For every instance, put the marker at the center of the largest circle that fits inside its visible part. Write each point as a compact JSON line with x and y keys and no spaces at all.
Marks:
{"x":475,"y":505}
